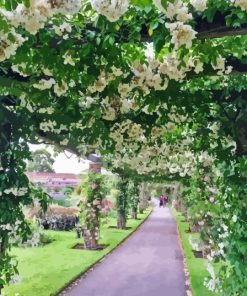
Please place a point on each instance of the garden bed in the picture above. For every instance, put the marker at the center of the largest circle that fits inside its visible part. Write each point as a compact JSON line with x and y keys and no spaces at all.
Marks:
{"x":82,"y":247}
{"x":196,"y":265}
{"x":48,"y":269}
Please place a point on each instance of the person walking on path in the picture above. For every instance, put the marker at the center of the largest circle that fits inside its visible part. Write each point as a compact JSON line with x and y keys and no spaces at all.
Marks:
{"x":162,"y":200}
{"x":165,"y":200}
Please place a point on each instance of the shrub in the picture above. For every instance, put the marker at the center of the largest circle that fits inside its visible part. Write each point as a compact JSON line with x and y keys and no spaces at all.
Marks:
{"x":56,"y":217}
{"x":61,"y":202}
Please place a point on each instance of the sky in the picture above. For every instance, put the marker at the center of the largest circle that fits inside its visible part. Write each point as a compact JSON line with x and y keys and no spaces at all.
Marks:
{"x":65,"y":162}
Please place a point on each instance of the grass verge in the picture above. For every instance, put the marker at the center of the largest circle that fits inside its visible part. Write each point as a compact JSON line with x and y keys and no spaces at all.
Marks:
{"x":44,"y":271}
{"x":196,"y":266}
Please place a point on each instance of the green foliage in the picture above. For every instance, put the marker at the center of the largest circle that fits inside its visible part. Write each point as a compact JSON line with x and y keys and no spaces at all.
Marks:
{"x":133,"y":196}
{"x":77,"y":119}
{"x":122,"y":196}
{"x":93,"y":191}
{"x":61,"y":202}
{"x":40,"y":268}
{"x":42,"y":161}
{"x":196,"y":266}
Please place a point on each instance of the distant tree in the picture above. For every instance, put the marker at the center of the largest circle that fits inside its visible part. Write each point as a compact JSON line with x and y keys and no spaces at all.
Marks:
{"x":67,"y":190}
{"x":42,"y":162}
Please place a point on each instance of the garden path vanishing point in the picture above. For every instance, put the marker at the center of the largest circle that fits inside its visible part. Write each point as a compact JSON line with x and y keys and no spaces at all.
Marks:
{"x":148,"y":263}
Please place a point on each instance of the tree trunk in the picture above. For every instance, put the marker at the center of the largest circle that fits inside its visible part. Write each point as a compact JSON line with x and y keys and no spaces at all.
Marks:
{"x":144,"y":194}
{"x":134,"y":213}
{"x":92,"y":223}
{"x":90,"y":242}
{"x":121,"y":221}
{"x":121,"y":202}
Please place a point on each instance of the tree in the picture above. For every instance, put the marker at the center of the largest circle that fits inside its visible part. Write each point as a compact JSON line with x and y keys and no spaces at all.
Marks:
{"x":42,"y":161}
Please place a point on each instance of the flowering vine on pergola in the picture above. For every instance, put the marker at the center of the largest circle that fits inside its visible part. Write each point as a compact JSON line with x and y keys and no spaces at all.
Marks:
{"x":156,"y":83}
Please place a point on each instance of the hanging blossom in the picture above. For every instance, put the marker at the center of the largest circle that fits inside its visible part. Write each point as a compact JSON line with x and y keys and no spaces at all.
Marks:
{"x":111,"y":9}
{"x":61,"y":89}
{"x":34,"y":17}
{"x":221,"y":67}
{"x":174,"y":10}
{"x":7,"y":46}
{"x":181,"y":34}
{"x":199,"y":5}
{"x":212,"y":284}
{"x":44,"y":84}
{"x":240,"y":3}
{"x":64,"y":27}
{"x":21,"y":191}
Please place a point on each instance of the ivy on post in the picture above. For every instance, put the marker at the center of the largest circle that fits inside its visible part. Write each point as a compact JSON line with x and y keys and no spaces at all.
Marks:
{"x":93,"y":190}
{"x":143,"y":197}
{"x":133,"y":198}
{"x":122,"y":202}
{"x":15,"y":192}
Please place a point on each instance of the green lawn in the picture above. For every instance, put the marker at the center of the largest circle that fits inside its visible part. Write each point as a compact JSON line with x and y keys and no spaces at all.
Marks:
{"x":195,"y":265}
{"x":45,"y":270}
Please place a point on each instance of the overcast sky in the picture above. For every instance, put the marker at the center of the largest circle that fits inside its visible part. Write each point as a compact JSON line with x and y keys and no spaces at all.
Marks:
{"x":63,"y":164}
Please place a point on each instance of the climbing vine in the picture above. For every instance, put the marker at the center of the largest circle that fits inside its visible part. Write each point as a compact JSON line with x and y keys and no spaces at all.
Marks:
{"x":158,"y":86}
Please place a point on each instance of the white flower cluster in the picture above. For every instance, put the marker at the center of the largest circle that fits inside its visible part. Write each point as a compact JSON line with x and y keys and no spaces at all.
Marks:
{"x":64,"y":27}
{"x":147,"y":76}
{"x":196,"y":244}
{"x":44,"y":84}
{"x":213,"y":284}
{"x":68,"y":60}
{"x":48,"y":125}
{"x":182,"y":34}
{"x":172,"y":67}
{"x":21,"y":191}
{"x":199,"y":5}
{"x":127,"y":128}
{"x":35,"y":17}
{"x":48,"y":110}
{"x":221,"y":67}
{"x":240,"y":3}
{"x":7,"y":46}
{"x":61,"y":89}
{"x":116,"y":105}
{"x":155,"y":158}
{"x":206,"y":159}
{"x":175,"y":10}
{"x":101,"y":83}
{"x":111,"y":9}
{"x":20,"y":68}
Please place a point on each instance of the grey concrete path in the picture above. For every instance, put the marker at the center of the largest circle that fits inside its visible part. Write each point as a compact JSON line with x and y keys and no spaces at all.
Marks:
{"x":149,"y":263}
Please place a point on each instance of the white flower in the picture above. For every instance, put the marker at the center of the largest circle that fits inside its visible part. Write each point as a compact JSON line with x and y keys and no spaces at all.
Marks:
{"x":47,"y":72}
{"x":116,"y":71}
{"x":176,"y":9}
{"x":48,"y":110}
{"x":199,"y":5}
{"x":234,"y":218}
{"x":181,"y":34}
{"x":158,"y":4}
{"x":8,"y":47}
{"x":64,"y":142}
{"x":211,"y":199}
{"x":241,"y":3}
{"x":111,"y":9}
{"x":68,"y":59}
{"x":44,"y":84}
{"x":61,"y":89}
{"x":47,"y":126}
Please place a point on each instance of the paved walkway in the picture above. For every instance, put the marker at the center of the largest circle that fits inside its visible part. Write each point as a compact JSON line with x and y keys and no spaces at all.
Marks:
{"x":149,"y":263}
